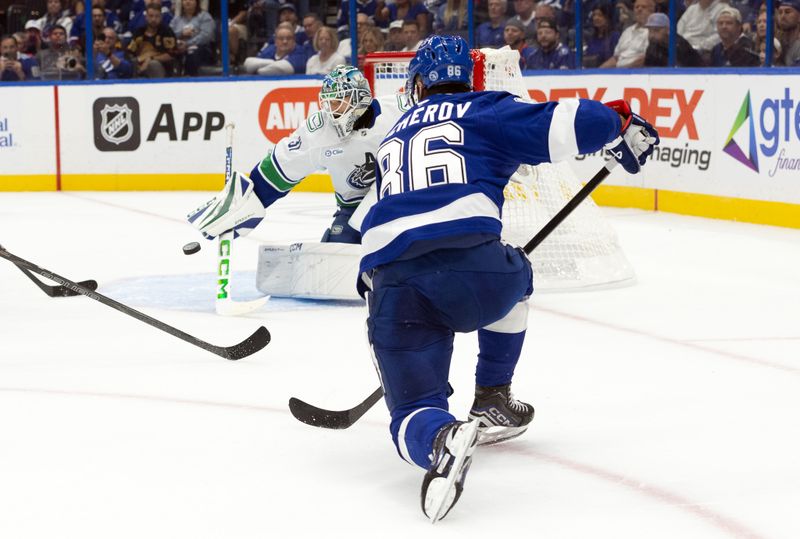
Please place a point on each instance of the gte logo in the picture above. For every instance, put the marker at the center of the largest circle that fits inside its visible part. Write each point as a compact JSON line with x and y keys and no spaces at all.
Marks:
{"x":116,"y":124}
{"x":285,"y":109}
{"x":773,"y":120}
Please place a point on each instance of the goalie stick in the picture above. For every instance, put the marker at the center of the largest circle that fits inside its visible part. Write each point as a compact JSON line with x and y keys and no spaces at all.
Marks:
{"x":57,"y":291}
{"x":331,"y":419}
{"x":255,"y":342}
{"x":225,"y":305}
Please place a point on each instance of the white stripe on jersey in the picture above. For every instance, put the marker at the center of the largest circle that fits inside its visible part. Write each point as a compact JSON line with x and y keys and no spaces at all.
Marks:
{"x":561,"y":139}
{"x":474,"y":205}
{"x":401,"y":435}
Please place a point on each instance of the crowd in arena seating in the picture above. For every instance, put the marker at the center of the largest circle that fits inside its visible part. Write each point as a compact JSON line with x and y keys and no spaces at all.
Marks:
{"x":159,"y":38}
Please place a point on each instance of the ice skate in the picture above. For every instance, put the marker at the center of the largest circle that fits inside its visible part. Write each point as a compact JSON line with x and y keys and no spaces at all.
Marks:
{"x":444,"y":481}
{"x":499,"y":415}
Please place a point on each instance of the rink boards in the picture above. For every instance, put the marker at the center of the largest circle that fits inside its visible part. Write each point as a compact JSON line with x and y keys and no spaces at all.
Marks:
{"x":730,"y":141}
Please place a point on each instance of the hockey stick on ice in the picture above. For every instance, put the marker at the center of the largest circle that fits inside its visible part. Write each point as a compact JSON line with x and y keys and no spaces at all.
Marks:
{"x":331,"y":419}
{"x":252,"y":344}
{"x":224,"y":304}
{"x":57,"y":291}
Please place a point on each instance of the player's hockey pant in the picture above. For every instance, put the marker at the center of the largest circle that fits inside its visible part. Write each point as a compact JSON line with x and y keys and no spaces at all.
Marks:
{"x":340,"y":230}
{"x":415,"y":309}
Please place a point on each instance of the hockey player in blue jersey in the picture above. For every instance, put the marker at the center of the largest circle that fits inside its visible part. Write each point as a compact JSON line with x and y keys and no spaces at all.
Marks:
{"x":433,"y":258}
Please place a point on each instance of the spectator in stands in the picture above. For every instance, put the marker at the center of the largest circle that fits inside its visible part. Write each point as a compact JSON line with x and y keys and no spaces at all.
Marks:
{"x":657,"y":54}
{"x":549,"y":52}
{"x":371,"y":41}
{"x":362,"y":23}
{"x":624,"y":10}
{"x":747,"y":9}
{"x":109,"y":59}
{"x":56,"y":16}
{"x":699,"y":25}
{"x":776,"y":52}
{"x":524,"y":13}
{"x":760,"y":39}
{"x":261,"y":19}
{"x":411,"y":35}
{"x":287,"y":13}
{"x":101,"y":17}
{"x":603,"y":39}
{"x":326,"y":58}
{"x":32,"y":43}
{"x":285,"y":57}
{"x":396,"y":42}
{"x":194,"y":30}
{"x":154,"y":46}
{"x":514,"y":37}
{"x":59,"y":61}
{"x":138,"y":14}
{"x":451,"y":18}
{"x":734,"y":49}
{"x":367,"y":7}
{"x":404,"y":10}
{"x":77,"y":36}
{"x":311,"y":25}
{"x":490,"y":33}
{"x":632,"y":43}
{"x":13,"y":65}
{"x":789,"y":31}
{"x":237,"y":29}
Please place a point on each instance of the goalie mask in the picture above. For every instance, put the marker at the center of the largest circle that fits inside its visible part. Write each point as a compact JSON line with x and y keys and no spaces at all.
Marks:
{"x":345,"y":96}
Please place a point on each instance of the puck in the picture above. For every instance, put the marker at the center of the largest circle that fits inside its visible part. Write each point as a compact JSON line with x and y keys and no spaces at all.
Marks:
{"x":191,"y":248}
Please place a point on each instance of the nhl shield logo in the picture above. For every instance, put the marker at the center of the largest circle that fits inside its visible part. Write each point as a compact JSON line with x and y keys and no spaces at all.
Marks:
{"x":116,"y":124}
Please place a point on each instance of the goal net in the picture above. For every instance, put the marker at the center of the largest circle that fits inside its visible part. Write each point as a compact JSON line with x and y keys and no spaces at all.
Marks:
{"x":581,"y":253}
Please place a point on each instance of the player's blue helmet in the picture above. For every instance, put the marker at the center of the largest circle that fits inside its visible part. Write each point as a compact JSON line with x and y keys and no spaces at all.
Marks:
{"x":345,"y":96}
{"x":440,"y":60}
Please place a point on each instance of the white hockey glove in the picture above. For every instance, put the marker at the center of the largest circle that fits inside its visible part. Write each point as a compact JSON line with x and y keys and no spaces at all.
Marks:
{"x":236,"y":208}
{"x":635,"y":143}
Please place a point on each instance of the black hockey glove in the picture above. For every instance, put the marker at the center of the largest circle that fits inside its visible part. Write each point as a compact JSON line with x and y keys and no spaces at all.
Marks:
{"x":636,"y":139}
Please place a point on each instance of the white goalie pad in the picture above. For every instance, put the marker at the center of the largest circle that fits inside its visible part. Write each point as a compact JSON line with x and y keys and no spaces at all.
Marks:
{"x":309,"y":270}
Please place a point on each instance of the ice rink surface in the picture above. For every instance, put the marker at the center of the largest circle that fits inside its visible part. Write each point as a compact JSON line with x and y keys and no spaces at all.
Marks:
{"x":666,"y":409}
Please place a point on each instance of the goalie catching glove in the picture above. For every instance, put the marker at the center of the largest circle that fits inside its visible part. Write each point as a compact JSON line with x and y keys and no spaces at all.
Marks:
{"x":236,"y":208}
{"x":636,"y":139}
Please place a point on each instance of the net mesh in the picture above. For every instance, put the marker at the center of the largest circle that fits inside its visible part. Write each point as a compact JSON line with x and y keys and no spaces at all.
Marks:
{"x":583,"y":252}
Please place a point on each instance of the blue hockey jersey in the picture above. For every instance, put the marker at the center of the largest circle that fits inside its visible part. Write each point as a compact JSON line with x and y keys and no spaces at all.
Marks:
{"x":443,"y":166}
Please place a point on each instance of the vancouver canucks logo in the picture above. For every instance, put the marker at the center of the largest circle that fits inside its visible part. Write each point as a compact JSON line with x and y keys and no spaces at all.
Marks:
{"x":116,"y":123}
{"x":363,"y":175}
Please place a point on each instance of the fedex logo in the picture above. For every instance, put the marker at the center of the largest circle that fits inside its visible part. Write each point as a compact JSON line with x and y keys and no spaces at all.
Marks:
{"x":670,"y":110}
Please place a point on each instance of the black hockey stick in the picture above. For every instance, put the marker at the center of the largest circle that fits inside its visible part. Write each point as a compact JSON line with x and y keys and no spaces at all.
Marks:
{"x":251,"y":345}
{"x":58,"y":291}
{"x":330,"y":419}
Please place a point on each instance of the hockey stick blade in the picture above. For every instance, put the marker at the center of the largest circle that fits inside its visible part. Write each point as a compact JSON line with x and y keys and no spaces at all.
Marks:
{"x":249,"y":346}
{"x":255,"y":342}
{"x":58,"y":291}
{"x":331,"y":419}
{"x":230,"y":307}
